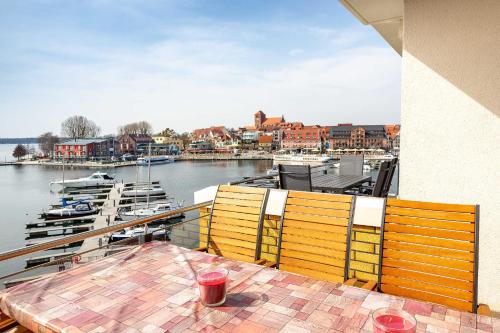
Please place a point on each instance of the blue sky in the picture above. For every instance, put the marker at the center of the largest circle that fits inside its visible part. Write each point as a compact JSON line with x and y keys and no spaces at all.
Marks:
{"x":189,"y":64}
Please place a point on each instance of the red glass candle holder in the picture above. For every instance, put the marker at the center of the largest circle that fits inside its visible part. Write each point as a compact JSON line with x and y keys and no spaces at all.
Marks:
{"x":212,"y":283}
{"x":388,"y":320}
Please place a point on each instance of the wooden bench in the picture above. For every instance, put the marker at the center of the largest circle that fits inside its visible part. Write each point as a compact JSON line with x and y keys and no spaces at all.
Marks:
{"x":235,"y":223}
{"x":430,"y":253}
{"x":315,"y":236}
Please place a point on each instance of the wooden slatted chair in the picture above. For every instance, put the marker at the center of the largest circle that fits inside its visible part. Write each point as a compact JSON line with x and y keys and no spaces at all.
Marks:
{"x":235,"y":223}
{"x":430,"y":253}
{"x":315,"y":236}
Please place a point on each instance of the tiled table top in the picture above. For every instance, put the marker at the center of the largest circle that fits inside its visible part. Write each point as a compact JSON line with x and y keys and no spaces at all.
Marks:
{"x":152,"y":289}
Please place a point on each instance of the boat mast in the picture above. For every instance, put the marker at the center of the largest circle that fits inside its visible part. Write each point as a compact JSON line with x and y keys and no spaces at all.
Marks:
{"x":136,"y":184}
{"x":63,"y":176}
{"x":149,"y":177}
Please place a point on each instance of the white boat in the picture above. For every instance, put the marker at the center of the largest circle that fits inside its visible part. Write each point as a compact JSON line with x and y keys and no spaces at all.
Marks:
{"x":94,"y":180}
{"x":72,"y":210}
{"x":154,"y":160}
{"x":367,"y":167}
{"x":135,"y":232}
{"x":301,"y":159}
{"x":146,"y":212}
{"x":143,"y":191}
{"x":274,"y":171}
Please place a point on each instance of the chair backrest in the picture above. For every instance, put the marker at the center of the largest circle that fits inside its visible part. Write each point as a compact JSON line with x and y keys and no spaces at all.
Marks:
{"x":388,"y":180}
{"x":430,"y":252}
{"x":315,"y":235}
{"x":351,"y":165}
{"x":383,"y":173}
{"x":235,"y":222}
{"x":295,"y":177}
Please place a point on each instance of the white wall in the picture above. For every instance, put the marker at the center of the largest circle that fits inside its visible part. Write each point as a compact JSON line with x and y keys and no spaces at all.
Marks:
{"x":450,"y":117}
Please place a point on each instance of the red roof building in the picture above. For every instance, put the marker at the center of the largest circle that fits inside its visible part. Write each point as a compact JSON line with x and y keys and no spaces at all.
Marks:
{"x":301,"y":137}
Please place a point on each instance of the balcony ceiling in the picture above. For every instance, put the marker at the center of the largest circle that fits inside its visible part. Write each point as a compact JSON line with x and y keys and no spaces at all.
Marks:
{"x":386,"y":16}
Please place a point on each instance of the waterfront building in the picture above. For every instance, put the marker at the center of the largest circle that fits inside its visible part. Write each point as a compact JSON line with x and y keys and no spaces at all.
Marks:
{"x":266,"y":142}
{"x":200,"y":147}
{"x":84,"y":149}
{"x":450,"y":111}
{"x":304,"y":137}
{"x":263,"y":123}
{"x":168,"y":140}
{"x":128,"y":143}
{"x":358,"y":136}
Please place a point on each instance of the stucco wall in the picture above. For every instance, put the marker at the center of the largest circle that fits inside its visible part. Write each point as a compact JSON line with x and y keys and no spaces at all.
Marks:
{"x":450,"y":117}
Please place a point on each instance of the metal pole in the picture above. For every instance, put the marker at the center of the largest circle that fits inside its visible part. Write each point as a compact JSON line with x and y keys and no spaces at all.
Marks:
{"x":149,"y":177}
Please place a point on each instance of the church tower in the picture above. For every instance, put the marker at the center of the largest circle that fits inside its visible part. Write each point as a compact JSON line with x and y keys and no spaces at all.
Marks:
{"x":260,"y":118}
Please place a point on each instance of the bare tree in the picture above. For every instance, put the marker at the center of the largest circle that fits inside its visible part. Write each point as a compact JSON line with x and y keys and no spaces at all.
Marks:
{"x":19,"y":151}
{"x":46,"y":142}
{"x":138,"y":128}
{"x":79,"y":127}
{"x":168,"y":132}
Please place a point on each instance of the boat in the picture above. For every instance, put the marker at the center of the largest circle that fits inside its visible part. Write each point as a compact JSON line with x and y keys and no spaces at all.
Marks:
{"x":301,"y":159}
{"x":274,"y":171}
{"x":154,"y":160}
{"x":94,"y":180}
{"x":136,"y":232}
{"x":144,"y":191}
{"x":146,"y":212}
{"x":76,"y":209}
{"x":367,"y":167}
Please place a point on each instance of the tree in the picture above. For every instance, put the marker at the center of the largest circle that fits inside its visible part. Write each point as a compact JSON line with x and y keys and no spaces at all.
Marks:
{"x":168,"y":132}
{"x":19,"y":151}
{"x":79,"y":127}
{"x":137,"y":128}
{"x":46,"y":142}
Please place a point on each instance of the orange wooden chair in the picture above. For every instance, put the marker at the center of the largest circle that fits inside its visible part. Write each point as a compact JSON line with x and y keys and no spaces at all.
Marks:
{"x":235,"y":223}
{"x":315,"y":236}
{"x":430,"y":253}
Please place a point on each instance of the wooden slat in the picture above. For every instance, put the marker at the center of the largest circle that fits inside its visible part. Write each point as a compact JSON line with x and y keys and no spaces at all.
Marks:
{"x":420,"y":295}
{"x":240,"y":196}
{"x":312,"y":266}
{"x":427,"y":287}
{"x":319,"y":258}
{"x":317,"y":235}
{"x":317,"y":211}
{"x":449,"y":225}
{"x":233,"y":249}
{"x":339,"y":253}
{"x":442,"y":280}
{"x":440,"y":215}
{"x":431,"y":260}
{"x":235,"y":256}
{"x":312,"y":273}
{"x":241,"y":189}
{"x":234,"y":228}
{"x":418,"y":267}
{"x":316,"y":226}
{"x":239,"y":203}
{"x":233,"y":235}
{"x":320,"y":196}
{"x":233,"y":242}
{"x":237,"y":209}
{"x":430,"y":250}
{"x":292,"y":241}
{"x":319,"y":204}
{"x":446,"y":243}
{"x":317,"y":219}
{"x":235,"y":222}
{"x":431,"y":232}
{"x":235,"y":215}
{"x":431,"y":206}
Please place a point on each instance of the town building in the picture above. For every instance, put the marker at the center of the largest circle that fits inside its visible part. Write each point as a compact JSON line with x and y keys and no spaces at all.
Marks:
{"x":133,"y":144}
{"x":357,"y":136}
{"x":266,"y":142}
{"x":304,"y":137}
{"x":168,"y":140}
{"x":84,"y":149}
{"x":200,"y":147}
{"x":263,"y":123}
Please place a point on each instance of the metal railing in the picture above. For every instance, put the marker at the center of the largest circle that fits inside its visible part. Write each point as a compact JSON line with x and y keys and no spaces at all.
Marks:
{"x":11,"y":254}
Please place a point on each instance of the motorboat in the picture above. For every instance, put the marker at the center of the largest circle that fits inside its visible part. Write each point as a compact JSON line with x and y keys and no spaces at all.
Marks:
{"x":143,"y":191}
{"x":154,"y":160}
{"x":129,"y":233}
{"x":274,"y":171}
{"x":146,"y":212}
{"x":301,"y":159}
{"x":75,"y":209}
{"x":94,"y":180}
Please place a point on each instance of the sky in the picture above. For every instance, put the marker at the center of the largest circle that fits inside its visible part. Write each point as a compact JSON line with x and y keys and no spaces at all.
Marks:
{"x":187,"y":64}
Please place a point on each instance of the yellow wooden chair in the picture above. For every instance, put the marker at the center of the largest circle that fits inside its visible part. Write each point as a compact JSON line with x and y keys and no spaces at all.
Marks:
{"x":430,"y":253}
{"x":235,"y":223}
{"x":315,"y":236}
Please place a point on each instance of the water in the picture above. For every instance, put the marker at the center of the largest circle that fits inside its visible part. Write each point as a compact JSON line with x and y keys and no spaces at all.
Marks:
{"x":25,"y":190}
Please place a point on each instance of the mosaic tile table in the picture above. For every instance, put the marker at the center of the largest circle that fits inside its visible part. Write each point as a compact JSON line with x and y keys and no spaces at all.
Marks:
{"x":152,"y":289}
